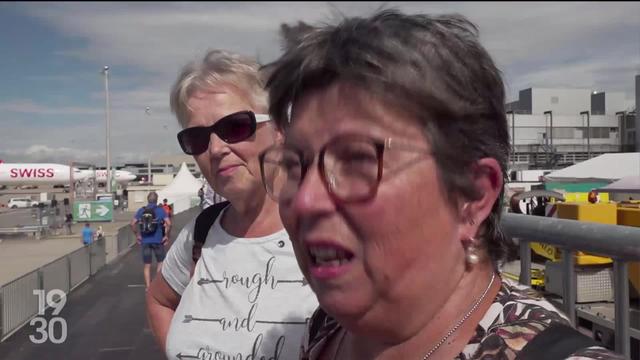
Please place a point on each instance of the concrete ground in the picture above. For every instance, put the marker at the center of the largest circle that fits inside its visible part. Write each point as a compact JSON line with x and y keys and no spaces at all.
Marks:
{"x":105,"y":318}
{"x":105,"y":315}
{"x":20,"y":255}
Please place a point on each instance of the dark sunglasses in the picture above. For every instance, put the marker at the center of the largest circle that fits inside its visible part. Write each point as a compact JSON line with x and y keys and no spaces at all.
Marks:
{"x":231,"y":129}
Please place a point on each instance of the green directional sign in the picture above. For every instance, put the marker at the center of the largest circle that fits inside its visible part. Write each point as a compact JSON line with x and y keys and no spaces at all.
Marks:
{"x":92,"y":210}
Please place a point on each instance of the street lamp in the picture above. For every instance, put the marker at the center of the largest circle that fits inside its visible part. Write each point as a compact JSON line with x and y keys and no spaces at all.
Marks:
{"x":513,"y":138}
{"x":147,"y":111}
{"x":105,"y":72}
{"x":588,"y":134}
{"x":622,"y":134}
{"x":550,"y":113}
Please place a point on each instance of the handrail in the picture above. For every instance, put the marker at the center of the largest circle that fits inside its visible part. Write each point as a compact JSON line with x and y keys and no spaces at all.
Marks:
{"x":622,"y":243}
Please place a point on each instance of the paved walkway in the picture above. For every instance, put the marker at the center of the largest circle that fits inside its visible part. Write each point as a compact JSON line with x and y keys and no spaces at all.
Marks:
{"x":105,"y":316}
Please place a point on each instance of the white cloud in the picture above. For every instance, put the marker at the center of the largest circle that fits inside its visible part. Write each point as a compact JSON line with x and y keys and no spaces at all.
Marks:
{"x":609,"y":75}
{"x":39,"y":153}
{"x":158,"y":38}
{"x":29,"y":106}
{"x":592,"y":44}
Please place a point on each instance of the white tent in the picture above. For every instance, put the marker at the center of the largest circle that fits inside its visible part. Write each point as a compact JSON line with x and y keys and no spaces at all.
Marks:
{"x":606,"y":167}
{"x":182,"y":192}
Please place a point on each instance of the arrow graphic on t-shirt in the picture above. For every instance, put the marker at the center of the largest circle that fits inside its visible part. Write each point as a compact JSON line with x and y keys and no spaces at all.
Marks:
{"x":303,"y":282}
{"x":190,"y":318}
{"x":203,"y":281}
{"x":180,"y":356}
{"x":281,"y":322}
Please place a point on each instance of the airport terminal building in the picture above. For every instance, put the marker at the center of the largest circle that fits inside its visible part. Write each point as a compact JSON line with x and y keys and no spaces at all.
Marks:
{"x":554,"y":128}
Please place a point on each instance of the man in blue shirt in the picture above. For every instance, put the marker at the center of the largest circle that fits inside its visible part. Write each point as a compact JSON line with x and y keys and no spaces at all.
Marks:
{"x":87,"y":234}
{"x":147,"y":225}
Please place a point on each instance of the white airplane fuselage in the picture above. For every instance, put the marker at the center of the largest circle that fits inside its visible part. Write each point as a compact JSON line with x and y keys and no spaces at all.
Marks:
{"x":37,"y":174}
{"x":121,"y":176}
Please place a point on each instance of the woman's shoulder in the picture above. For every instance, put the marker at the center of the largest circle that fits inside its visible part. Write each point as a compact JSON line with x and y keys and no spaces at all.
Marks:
{"x":517,"y":315}
{"x":517,"y":304}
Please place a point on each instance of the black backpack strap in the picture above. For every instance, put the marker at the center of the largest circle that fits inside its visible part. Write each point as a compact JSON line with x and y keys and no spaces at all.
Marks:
{"x":204,"y":221}
{"x":316,"y":322}
{"x":556,"y":342}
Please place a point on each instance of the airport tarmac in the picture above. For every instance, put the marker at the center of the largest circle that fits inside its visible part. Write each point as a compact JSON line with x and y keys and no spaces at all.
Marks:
{"x":22,"y":254}
{"x":11,"y":192}
{"x":18,"y":217}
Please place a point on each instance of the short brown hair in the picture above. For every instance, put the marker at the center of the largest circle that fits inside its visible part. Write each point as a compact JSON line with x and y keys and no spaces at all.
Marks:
{"x":432,"y":67}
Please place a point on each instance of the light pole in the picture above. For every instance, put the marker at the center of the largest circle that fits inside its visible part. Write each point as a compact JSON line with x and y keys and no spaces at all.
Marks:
{"x":622,"y":128}
{"x":588,"y":133}
{"x":105,"y":71}
{"x":513,"y":138}
{"x":550,"y":113}
{"x":147,"y":111}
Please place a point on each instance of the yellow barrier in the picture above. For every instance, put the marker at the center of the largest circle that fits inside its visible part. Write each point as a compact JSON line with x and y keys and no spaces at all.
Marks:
{"x":602,"y":212}
{"x":582,"y":197}
{"x":545,"y":250}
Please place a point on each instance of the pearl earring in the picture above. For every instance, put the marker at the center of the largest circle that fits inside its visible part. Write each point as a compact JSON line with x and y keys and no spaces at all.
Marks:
{"x":471,"y":252}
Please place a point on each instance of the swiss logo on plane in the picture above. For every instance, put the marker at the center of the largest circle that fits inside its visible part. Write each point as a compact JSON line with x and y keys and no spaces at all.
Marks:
{"x":31,"y":173}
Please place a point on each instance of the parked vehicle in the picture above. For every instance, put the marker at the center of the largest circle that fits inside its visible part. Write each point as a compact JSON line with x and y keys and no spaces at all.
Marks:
{"x":15,"y":203}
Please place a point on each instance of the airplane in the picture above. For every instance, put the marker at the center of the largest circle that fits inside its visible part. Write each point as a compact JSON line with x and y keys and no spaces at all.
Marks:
{"x":37,"y":174}
{"x":122,"y":177}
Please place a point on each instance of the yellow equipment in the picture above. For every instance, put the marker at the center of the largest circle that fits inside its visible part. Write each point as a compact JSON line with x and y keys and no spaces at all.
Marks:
{"x":604,"y":213}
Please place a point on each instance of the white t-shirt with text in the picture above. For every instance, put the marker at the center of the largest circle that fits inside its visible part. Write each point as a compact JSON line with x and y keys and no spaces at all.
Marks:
{"x":247,"y":300}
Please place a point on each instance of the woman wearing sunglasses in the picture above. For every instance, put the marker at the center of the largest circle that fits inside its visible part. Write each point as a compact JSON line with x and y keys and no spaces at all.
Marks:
{"x":389,"y":182}
{"x":247,"y":297}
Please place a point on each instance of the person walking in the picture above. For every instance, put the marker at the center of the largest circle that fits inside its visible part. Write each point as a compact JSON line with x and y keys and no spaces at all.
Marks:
{"x":87,"y":234}
{"x":147,"y":225}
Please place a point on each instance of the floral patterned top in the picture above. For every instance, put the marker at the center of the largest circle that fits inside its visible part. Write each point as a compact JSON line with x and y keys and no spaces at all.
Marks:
{"x":517,"y":315}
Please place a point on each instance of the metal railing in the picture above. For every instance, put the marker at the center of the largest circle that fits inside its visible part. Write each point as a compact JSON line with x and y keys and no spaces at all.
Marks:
{"x":621,"y":243}
{"x":19,"y":304}
{"x":126,"y":238}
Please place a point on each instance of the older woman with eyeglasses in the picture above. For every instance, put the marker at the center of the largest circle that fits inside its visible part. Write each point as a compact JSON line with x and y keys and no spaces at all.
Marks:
{"x":389,"y":183}
{"x":246,"y":297}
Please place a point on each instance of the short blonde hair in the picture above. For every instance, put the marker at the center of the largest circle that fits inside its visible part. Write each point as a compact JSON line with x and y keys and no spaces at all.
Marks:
{"x":219,"y":67}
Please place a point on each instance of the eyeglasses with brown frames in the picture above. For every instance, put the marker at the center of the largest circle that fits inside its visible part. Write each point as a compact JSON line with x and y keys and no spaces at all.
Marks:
{"x":351,"y":166}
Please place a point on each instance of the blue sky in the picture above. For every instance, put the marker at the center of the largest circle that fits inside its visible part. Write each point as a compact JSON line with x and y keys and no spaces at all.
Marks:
{"x":52,"y":92}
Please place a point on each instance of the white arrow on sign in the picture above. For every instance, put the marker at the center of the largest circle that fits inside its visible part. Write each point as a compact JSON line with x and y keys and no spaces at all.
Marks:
{"x":102,"y":210}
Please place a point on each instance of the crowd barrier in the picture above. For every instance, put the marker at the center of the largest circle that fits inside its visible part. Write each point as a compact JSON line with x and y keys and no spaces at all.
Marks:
{"x":18,"y":301}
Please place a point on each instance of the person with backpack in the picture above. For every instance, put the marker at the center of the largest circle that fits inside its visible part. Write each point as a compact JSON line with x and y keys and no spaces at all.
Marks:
{"x":230,"y":286}
{"x":148,"y":225}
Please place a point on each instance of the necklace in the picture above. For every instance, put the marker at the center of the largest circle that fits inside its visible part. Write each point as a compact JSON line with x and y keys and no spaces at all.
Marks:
{"x":464,"y":318}
{"x":453,"y":329}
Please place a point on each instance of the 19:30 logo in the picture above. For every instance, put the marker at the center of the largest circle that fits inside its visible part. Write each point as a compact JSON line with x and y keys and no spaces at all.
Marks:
{"x":55,"y":329}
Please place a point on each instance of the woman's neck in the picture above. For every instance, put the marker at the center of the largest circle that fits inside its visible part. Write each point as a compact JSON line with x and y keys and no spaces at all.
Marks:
{"x":467,"y":292}
{"x":252,"y":217}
